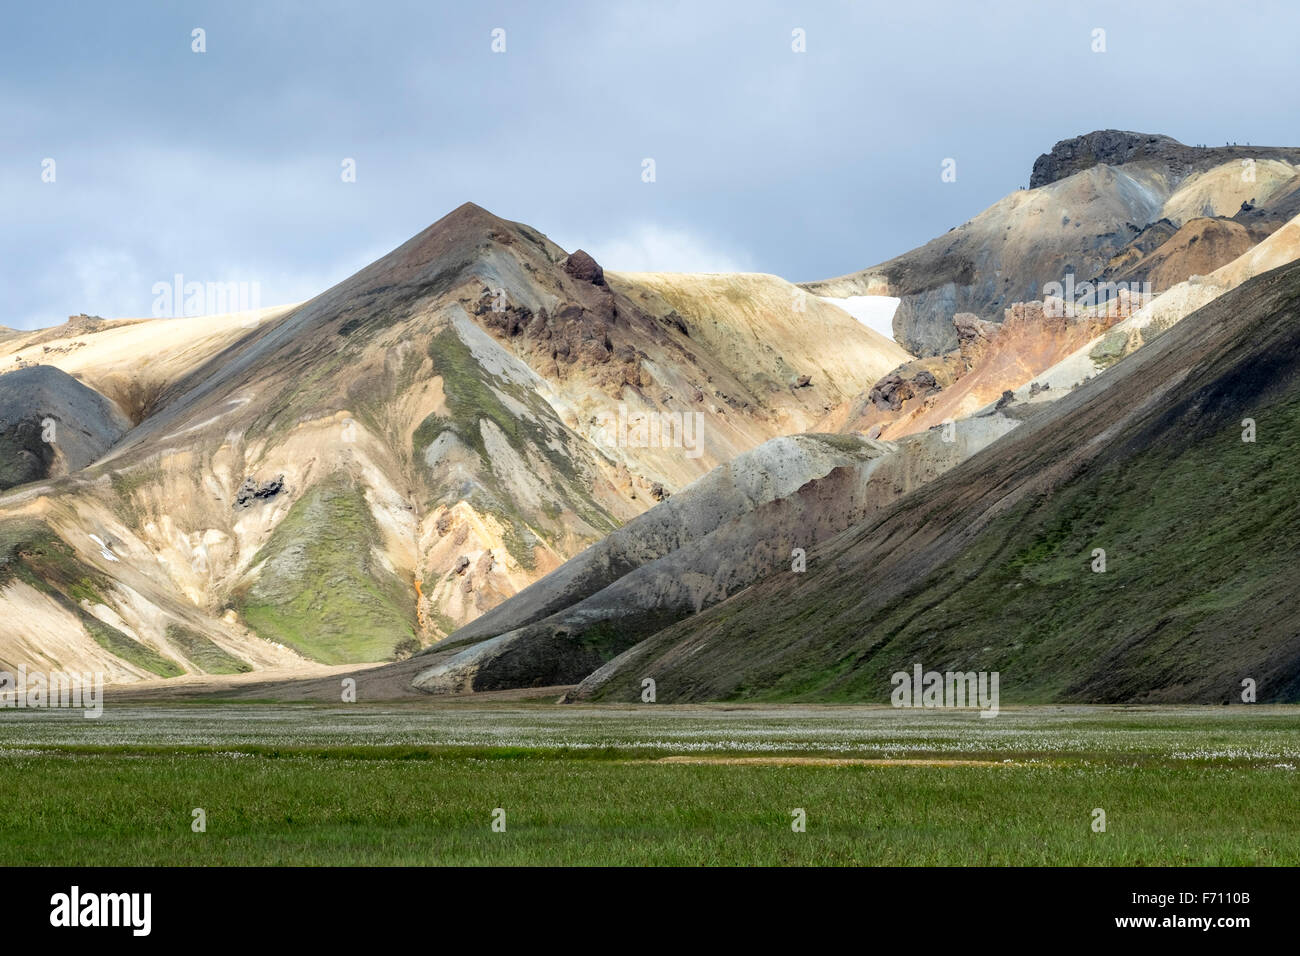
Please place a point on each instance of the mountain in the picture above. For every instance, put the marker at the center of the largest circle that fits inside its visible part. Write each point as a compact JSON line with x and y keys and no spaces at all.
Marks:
{"x":354,"y":477}
{"x":993,"y":566}
{"x":497,"y":465}
{"x":1090,"y":199}
{"x":741,"y":522}
{"x":596,"y":611}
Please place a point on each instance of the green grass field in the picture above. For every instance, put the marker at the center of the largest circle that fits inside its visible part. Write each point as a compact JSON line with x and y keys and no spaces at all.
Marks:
{"x":418,"y":784}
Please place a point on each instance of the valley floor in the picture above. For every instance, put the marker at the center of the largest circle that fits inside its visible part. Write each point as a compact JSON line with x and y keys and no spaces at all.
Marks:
{"x":420,"y":782}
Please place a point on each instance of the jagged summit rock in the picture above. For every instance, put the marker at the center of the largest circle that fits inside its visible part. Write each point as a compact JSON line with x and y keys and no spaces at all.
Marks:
{"x":1112,"y":147}
{"x":582,"y":266}
{"x":1115,"y":147}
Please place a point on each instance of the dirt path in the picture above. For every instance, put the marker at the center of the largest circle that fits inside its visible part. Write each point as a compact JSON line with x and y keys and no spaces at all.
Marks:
{"x":830,"y":762}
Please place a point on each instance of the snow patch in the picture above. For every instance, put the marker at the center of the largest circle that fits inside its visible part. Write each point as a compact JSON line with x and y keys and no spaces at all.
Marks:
{"x":876,"y":312}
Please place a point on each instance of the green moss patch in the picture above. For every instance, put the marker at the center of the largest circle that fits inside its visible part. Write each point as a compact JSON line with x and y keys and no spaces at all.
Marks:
{"x":320,"y":589}
{"x":204,"y":652}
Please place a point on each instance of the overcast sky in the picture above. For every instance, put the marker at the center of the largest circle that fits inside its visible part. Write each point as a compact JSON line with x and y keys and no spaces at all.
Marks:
{"x":226,"y":165}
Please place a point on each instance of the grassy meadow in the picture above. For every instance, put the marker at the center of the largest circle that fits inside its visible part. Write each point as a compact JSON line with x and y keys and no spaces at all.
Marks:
{"x":419,"y":784}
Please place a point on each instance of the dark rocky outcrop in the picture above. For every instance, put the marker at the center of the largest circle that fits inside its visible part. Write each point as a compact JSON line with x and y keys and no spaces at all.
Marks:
{"x":1111,"y":147}
{"x":581,"y":266}
{"x":251,"y":491}
{"x":973,"y":336}
{"x":896,"y":388}
{"x":1114,"y":147}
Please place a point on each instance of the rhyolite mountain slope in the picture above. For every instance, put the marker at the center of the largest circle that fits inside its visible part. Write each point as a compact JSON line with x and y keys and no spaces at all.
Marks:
{"x":1090,"y":198}
{"x":50,"y":423}
{"x":351,"y":478}
{"x":993,"y":566}
{"x":1041,"y":350}
{"x":1156,"y":317}
{"x":742,"y":521}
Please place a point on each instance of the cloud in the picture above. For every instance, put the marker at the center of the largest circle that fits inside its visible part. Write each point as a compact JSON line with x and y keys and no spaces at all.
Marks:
{"x":653,"y":248}
{"x":104,"y":280}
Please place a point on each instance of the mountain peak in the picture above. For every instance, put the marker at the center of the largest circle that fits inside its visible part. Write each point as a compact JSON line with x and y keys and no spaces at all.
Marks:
{"x":1112,"y":147}
{"x":448,"y":246}
{"x":471,"y":222}
{"x":469,"y":213}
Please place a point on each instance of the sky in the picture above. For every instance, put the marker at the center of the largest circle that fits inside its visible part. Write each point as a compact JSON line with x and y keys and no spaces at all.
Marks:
{"x":228,"y":165}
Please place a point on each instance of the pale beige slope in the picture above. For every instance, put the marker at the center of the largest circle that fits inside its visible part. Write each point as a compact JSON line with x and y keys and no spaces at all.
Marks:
{"x":1221,"y":191}
{"x":44,"y":636}
{"x":132,"y":361}
{"x":762,"y":325}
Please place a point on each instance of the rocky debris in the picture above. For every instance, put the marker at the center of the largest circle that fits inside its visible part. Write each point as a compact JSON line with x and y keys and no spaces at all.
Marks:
{"x":1148,"y":239}
{"x":657,"y":492}
{"x":462,"y":564}
{"x":1246,"y":206}
{"x":898,"y":386}
{"x":251,"y":491}
{"x":63,"y":349}
{"x":1031,"y":316}
{"x":1007,"y":398}
{"x":581,"y":266}
{"x":925,"y":381}
{"x":572,"y":338}
{"x":893,"y":390}
{"x":501,"y":315}
{"x":803,"y":381}
{"x":1035,"y":388}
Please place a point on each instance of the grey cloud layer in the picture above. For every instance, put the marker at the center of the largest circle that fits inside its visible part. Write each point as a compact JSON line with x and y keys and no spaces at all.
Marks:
{"x":225,"y":165}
